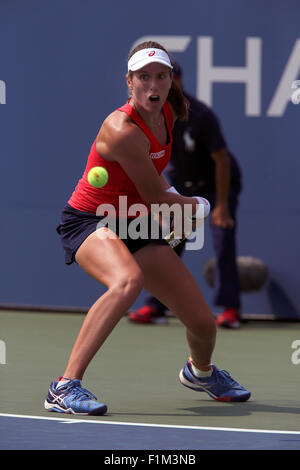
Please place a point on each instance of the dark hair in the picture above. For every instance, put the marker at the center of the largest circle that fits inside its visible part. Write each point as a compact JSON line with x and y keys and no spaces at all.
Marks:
{"x":176,"y":98}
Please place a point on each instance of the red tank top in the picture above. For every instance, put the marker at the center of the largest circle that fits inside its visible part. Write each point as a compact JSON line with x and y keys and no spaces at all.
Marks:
{"x":86,"y":198}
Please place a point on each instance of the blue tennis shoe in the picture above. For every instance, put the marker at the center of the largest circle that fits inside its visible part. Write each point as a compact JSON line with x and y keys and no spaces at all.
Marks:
{"x":220,"y":385}
{"x":71,"y":398}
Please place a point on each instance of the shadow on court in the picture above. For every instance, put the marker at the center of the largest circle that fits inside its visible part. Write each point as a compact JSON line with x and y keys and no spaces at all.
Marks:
{"x":243,"y":409}
{"x":228,"y":410}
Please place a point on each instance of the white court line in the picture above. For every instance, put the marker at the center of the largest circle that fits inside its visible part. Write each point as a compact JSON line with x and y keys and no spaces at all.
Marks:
{"x":168,"y":426}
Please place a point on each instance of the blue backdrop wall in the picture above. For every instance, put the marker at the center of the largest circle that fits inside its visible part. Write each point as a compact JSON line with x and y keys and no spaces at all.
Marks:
{"x":62,"y":69}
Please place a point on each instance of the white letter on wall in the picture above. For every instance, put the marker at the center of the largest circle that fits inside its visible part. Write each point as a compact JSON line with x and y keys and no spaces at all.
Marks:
{"x":282,"y":94}
{"x":2,"y":92}
{"x":250,"y":74}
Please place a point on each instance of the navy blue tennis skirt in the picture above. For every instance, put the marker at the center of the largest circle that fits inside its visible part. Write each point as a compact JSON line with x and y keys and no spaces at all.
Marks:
{"x":76,"y":226}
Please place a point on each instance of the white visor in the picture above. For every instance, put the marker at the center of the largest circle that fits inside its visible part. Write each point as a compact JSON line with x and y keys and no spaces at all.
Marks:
{"x":147,"y":56}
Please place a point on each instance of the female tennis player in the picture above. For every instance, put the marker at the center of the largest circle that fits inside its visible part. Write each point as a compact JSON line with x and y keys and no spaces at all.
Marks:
{"x":134,"y":145}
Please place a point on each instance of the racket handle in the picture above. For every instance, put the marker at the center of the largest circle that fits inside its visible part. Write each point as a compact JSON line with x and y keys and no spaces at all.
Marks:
{"x":176,"y":241}
{"x":173,"y":242}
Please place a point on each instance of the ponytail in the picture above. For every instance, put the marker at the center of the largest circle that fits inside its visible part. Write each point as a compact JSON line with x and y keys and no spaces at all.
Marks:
{"x":178,"y":101}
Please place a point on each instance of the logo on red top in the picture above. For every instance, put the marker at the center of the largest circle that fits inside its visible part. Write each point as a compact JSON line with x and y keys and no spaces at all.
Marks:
{"x":151,"y":53}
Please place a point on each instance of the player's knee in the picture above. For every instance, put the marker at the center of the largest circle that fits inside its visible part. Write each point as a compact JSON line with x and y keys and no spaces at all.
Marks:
{"x":130,"y":283}
{"x":135,"y":282}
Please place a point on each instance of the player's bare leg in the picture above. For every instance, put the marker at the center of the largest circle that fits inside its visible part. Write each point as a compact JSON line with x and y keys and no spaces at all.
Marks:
{"x":109,"y":262}
{"x":168,"y":279}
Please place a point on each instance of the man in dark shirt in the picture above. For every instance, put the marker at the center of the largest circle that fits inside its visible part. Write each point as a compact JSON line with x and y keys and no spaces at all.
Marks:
{"x":201,"y":164}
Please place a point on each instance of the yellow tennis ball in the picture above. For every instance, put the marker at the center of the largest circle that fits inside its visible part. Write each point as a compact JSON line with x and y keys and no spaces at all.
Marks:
{"x":97,"y":176}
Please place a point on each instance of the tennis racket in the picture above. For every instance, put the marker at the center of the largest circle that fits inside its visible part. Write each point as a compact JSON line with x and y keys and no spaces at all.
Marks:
{"x":204,"y":211}
{"x":173,"y":242}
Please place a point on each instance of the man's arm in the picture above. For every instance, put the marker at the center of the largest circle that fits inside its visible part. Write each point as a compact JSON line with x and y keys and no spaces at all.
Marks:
{"x":220,"y":215}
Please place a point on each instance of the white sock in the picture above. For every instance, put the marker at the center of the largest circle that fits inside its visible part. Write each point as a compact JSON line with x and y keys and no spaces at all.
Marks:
{"x":201,"y":373}
{"x":62,"y":382}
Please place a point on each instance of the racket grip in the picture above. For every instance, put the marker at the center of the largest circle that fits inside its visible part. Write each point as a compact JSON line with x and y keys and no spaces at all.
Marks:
{"x":175,"y":242}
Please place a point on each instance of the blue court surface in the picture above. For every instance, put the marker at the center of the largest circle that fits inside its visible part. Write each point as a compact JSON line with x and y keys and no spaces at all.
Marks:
{"x":38,"y":433}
